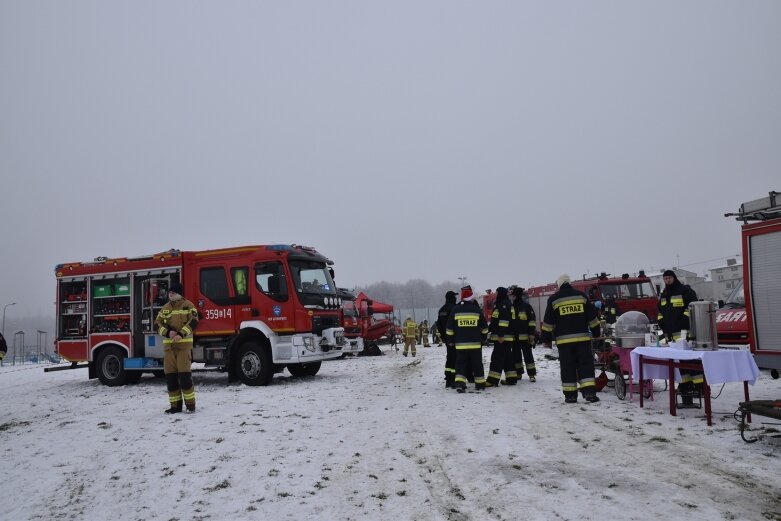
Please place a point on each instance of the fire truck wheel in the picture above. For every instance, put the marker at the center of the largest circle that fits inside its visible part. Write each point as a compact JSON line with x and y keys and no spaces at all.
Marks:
{"x":254,"y":364}
{"x":310,"y":369}
{"x":110,"y":367}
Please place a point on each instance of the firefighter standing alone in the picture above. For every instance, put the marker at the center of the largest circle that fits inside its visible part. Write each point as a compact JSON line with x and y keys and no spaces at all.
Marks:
{"x":410,"y":331}
{"x":176,"y":322}
{"x":569,"y":316}
{"x":673,"y":317}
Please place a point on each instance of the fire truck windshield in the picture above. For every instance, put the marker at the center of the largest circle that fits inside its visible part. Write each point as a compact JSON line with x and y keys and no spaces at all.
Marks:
{"x":349,"y":309}
{"x":736,"y":299}
{"x":312,"y":277}
{"x":630,"y":290}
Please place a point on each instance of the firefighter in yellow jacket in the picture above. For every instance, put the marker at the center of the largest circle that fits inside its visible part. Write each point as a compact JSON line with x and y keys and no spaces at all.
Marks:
{"x":410,"y":331}
{"x":176,"y":322}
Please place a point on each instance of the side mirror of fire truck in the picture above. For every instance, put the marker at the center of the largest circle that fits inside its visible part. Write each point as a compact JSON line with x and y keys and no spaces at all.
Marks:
{"x":721,"y":303}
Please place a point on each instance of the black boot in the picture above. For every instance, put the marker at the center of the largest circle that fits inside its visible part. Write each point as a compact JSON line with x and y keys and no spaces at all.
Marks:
{"x":190,"y":407}
{"x":175,"y":408}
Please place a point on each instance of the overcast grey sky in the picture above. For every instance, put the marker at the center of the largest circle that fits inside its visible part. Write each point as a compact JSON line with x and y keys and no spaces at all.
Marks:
{"x":502,"y":141}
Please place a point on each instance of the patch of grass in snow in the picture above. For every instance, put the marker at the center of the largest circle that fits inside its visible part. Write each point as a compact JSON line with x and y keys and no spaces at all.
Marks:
{"x":381,"y":496}
{"x":222,"y":484}
{"x":660,"y":439}
{"x":401,"y":493}
{"x":690,"y":506}
{"x":373,"y":476}
{"x":9,"y":425}
{"x":612,"y":485}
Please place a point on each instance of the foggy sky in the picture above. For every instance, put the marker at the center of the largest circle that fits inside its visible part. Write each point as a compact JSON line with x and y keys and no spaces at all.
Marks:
{"x":507,"y":142}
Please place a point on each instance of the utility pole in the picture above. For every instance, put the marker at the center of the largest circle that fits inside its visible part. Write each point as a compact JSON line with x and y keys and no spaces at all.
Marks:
{"x":463,"y":280}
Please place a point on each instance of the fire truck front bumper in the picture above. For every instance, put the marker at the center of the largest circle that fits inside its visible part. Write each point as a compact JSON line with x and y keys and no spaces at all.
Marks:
{"x":333,"y":340}
{"x":353,"y":345}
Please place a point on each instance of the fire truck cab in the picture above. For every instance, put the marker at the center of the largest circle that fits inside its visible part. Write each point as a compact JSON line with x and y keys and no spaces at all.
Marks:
{"x":261,"y":309}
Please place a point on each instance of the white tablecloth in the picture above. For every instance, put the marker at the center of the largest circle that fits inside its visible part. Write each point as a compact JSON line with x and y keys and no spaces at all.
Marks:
{"x":721,"y":366}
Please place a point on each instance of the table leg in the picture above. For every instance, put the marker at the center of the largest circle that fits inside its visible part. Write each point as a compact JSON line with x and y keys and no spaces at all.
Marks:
{"x":745,"y":393}
{"x":671,"y":376}
{"x":640,"y":361}
{"x":706,"y":389}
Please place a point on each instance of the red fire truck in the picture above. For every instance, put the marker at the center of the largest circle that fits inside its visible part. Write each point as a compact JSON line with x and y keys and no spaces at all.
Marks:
{"x":360,"y":324}
{"x":261,"y":309}
{"x":731,"y":323}
{"x":630,"y":293}
{"x":761,"y":238}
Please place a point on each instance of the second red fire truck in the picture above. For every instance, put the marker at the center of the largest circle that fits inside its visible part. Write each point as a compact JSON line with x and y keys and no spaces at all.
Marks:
{"x":630,"y":294}
{"x":261,"y":309}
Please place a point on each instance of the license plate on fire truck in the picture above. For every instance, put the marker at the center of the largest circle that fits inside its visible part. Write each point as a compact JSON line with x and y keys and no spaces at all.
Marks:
{"x":340,"y":338}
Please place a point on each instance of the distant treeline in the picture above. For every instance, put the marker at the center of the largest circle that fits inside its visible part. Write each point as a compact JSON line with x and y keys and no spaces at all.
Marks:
{"x":416,"y":293}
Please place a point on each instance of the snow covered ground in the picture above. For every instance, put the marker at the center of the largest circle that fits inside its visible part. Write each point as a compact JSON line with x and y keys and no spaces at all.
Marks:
{"x":374,"y":438}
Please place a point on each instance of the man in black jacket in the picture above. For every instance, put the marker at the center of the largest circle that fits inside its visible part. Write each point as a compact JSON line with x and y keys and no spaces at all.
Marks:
{"x":611,"y":310}
{"x":467,"y":330}
{"x":569,"y":318}
{"x":450,"y":360}
{"x":3,"y":348}
{"x":673,"y":318}
{"x":502,"y":334}
{"x":525,"y":328}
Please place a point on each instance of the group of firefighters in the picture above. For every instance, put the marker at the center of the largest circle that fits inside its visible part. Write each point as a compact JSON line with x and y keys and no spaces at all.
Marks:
{"x":464,"y":330}
{"x":571,"y":320}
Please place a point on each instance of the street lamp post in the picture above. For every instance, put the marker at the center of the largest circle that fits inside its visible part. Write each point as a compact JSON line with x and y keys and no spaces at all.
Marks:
{"x":463,"y":281}
{"x":4,"y":308}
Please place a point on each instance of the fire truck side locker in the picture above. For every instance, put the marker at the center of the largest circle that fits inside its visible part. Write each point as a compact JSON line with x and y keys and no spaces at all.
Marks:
{"x":762,"y":270}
